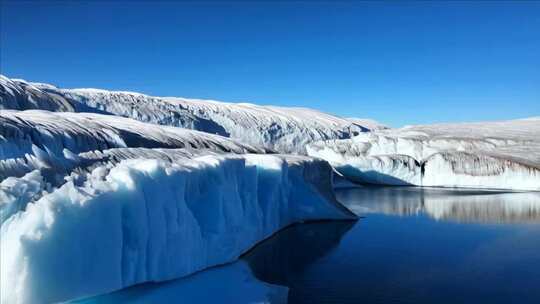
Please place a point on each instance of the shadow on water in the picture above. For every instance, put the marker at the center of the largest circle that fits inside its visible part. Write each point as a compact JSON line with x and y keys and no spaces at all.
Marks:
{"x":414,"y":246}
{"x":284,"y":258}
{"x":294,"y":249}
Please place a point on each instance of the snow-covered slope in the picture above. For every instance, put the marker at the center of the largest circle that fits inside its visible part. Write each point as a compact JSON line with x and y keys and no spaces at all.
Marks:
{"x":503,"y":154}
{"x":279,"y":128}
{"x":18,"y":94}
{"x":30,"y":136}
{"x":130,"y":220}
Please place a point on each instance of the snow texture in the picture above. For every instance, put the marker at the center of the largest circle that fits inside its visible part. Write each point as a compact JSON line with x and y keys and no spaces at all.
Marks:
{"x":283,"y":129}
{"x":46,"y":134}
{"x":503,"y":155}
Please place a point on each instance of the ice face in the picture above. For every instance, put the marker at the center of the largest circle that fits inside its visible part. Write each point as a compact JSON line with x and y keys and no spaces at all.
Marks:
{"x":503,"y":155}
{"x":286,"y":130}
{"x":93,"y":203}
{"x":136,"y":220}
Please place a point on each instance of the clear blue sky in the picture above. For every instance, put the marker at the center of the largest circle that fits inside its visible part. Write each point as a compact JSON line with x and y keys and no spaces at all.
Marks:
{"x":400,"y":63}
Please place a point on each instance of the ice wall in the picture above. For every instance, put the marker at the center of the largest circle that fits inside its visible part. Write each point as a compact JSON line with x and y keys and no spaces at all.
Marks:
{"x":141,"y":220}
{"x":498,"y":155}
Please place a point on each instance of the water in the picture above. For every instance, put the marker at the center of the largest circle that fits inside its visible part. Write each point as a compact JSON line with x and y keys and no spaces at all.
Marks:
{"x":412,"y":246}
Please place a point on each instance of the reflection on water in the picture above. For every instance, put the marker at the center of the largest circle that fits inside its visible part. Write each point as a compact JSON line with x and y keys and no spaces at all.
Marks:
{"x":449,"y":204}
{"x":401,"y":253}
{"x":231,"y":283}
{"x":280,"y":259}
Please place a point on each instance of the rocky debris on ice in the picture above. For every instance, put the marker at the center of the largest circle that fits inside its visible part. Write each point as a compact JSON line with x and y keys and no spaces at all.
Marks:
{"x":504,"y":154}
{"x":283,"y":129}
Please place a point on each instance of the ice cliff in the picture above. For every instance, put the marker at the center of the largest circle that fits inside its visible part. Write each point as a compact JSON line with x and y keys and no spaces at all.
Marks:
{"x":152,"y":220}
{"x":503,"y":155}
{"x":91,"y":203}
{"x":129,"y":221}
{"x":283,"y":129}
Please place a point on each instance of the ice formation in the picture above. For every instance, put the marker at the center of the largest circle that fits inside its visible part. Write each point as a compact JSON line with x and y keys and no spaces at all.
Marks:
{"x":92,"y":203}
{"x":130,"y":221}
{"x":283,"y":129}
{"x":34,"y":139}
{"x":503,"y":155}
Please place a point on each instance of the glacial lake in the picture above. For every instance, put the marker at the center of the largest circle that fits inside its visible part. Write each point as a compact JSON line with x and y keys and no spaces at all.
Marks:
{"x":412,"y":245}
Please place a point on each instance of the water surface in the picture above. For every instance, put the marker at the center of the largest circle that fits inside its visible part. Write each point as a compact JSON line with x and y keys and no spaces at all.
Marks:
{"x":412,"y":246}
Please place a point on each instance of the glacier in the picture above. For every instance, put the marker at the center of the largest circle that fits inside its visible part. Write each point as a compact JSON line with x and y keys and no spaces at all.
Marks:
{"x":80,"y":132}
{"x":283,"y":129}
{"x":41,"y":139}
{"x":91,"y":203}
{"x":494,"y":155}
{"x":130,"y":221}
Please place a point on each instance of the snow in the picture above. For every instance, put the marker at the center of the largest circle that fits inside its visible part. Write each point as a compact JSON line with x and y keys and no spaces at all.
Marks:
{"x":18,"y":94}
{"x":503,"y":155}
{"x":46,"y":134}
{"x":284,"y":129}
{"x":368,"y":123}
{"x":127,"y":221}
{"x":92,"y":203}
{"x":232,"y":283}
{"x":16,"y":193}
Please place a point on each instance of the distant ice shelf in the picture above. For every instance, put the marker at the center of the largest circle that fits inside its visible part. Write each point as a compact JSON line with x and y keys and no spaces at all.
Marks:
{"x":496,"y":155}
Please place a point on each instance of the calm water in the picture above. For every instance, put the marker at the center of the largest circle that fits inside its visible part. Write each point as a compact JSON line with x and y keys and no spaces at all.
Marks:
{"x":412,"y":246}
